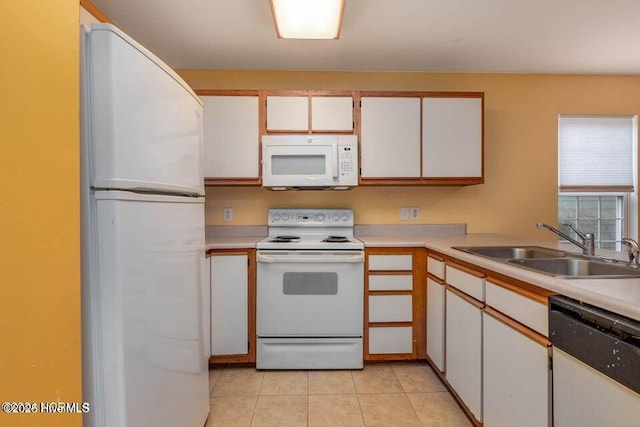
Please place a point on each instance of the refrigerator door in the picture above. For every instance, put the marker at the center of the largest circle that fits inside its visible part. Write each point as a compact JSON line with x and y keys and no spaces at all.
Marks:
{"x":145,"y":123}
{"x":147,"y":340}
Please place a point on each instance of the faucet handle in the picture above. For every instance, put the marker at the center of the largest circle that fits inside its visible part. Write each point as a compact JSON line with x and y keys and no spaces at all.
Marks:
{"x":633,"y":249}
{"x":578,"y":232}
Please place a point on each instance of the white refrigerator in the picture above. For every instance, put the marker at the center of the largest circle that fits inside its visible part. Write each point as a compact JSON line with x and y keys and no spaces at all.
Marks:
{"x":145,"y":294}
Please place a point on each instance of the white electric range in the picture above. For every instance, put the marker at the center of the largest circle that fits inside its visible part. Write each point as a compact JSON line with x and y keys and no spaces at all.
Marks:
{"x":310,"y":291}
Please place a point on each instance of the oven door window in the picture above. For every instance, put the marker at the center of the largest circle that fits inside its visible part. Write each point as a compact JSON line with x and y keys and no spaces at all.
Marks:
{"x":310,"y":283}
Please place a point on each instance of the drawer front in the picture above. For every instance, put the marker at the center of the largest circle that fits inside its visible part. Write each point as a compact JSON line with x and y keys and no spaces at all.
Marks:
{"x":435,"y":267}
{"x":390,"y":308}
{"x":467,"y":283}
{"x":520,"y":308}
{"x":391,"y":262}
{"x":389,"y":340}
{"x":397,"y":282}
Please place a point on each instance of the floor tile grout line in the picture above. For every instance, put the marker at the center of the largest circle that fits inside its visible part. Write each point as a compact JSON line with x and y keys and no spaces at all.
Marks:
{"x":364,"y":423}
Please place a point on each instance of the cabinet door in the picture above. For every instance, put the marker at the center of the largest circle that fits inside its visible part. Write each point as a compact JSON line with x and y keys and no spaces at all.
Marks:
{"x":229,"y":304}
{"x":390,"y":132}
{"x":391,"y":340}
{"x":331,"y":113}
{"x":435,"y":323}
{"x":288,"y":113}
{"x":231,"y":136}
{"x":464,"y":351}
{"x":451,"y":137}
{"x":516,"y":377}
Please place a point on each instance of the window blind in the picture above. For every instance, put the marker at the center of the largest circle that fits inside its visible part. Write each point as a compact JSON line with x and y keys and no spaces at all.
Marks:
{"x":596,"y":153}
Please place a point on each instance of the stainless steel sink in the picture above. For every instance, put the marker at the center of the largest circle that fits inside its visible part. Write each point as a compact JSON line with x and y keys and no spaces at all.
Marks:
{"x":513,"y":252}
{"x":577,"y":267}
{"x":553,"y":262}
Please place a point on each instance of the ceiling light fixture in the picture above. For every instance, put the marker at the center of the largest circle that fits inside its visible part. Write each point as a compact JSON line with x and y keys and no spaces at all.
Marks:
{"x":307,"y":19}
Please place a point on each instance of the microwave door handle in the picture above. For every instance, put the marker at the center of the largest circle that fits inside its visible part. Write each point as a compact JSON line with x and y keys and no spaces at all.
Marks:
{"x":335,"y":160}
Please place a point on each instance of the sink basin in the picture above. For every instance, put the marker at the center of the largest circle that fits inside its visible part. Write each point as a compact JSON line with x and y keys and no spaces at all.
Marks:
{"x":513,"y":252}
{"x":577,"y":268}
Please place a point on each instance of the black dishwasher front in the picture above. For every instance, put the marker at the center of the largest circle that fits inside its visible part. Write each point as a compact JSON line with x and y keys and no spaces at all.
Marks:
{"x":606,"y":341}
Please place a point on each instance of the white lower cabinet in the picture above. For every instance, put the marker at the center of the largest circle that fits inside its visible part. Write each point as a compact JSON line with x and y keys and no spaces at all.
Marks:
{"x":464,"y":350}
{"x":390,"y":340}
{"x":516,"y":376}
{"x":435,"y":323}
{"x":229,"y":307}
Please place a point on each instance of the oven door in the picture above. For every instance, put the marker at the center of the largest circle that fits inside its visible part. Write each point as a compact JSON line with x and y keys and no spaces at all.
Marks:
{"x":310,"y":293}
{"x":300,"y":165}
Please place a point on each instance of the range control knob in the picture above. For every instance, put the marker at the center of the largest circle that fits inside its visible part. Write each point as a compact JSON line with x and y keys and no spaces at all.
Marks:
{"x":285,"y":217}
{"x":276,"y":217}
{"x":336,"y":217}
{"x":345,"y":217}
{"x":320,"y":217}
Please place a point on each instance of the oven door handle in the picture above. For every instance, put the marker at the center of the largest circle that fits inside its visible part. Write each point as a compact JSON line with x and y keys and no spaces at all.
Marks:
{"x":317,"y":259}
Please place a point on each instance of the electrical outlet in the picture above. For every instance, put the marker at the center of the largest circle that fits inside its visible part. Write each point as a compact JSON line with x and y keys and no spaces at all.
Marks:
{"x":404,"y":214}
{"x":227,"y":214}
{"x":414,"y":213}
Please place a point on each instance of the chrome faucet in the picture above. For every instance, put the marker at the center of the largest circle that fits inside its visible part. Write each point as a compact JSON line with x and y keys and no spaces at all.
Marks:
{"x":633,"y":250}
{"x":588,"y":239}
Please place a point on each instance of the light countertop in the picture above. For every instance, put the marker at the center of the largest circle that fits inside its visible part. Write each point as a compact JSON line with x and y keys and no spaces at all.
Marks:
{"x":618,"y":295}
{"x":621,"y":296}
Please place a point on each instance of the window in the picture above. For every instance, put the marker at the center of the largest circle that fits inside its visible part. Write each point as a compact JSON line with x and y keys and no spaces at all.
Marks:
{"x":597,"y":176}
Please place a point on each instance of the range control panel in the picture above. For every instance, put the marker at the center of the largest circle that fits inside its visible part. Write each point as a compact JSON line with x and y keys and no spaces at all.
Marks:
{"x":311,"y":217}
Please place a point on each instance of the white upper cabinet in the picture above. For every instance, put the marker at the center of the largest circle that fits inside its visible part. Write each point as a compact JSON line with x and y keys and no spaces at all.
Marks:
{"x":231,"y":136}
{"x":451,"y":137}
{"x":331,"y":113}
{"x":390,"y":133}
{"x":291,"y":113}
{"x":288,"y":113}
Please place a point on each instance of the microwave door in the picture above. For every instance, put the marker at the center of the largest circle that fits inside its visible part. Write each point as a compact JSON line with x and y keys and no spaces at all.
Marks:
{"x":292,"y":166}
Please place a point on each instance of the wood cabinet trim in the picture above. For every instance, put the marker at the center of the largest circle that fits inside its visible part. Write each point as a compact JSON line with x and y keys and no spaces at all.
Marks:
{"x":419,"y":303}
{"x":467,"y":270}
{"x":238,"y":182}
{"x":390,"y":272}
{"x":227,"y":92}
{"x":390,"y":324}
{"x":519,"y":327}
{"x":230,"y":358}
{"x":453,"y":181}
{"x":95,"y":11}
{"x":390,"y":292}
{"x":436,"y":279}
{"x":420,"y":94}
{"x":435,"y":256}
{"x":490,"y":274}
{"x":471,"y":300}
{"x":527,"y":293}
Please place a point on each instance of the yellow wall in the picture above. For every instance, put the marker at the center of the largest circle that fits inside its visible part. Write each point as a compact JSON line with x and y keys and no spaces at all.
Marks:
{"x":520,"y":147}
{"x":40,"y":359}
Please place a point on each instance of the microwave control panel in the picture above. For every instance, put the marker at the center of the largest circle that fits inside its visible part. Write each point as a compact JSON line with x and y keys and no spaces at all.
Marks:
{"x":347,"y":160}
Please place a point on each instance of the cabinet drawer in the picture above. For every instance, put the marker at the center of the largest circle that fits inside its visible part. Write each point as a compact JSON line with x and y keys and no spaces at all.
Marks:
{"x":391,"y":262}
{"x":468,"y":283}
{"x":435,"y":267}
{"x":389,"y":340}
{"x":524,"y":310}
{"x":396,"y":282}
{"x":390,"y":308}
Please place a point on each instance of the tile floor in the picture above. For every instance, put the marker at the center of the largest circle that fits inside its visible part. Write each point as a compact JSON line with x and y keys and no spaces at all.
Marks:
{"x":401,"y":395}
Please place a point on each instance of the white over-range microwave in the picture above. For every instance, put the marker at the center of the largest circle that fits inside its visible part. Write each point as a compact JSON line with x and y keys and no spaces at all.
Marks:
{"x":309,"y":162}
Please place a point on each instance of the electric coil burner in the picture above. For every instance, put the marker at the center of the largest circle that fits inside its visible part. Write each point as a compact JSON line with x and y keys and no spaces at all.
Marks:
{"x":310,"y":291}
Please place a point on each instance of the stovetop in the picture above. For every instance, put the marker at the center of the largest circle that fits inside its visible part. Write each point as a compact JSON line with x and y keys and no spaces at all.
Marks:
{"x":310,"y":229}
